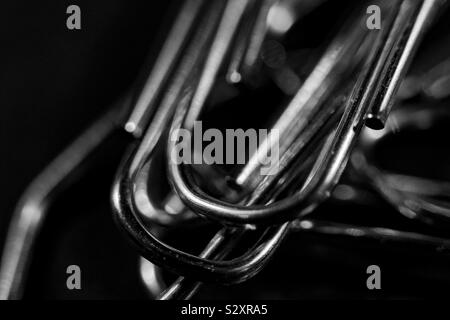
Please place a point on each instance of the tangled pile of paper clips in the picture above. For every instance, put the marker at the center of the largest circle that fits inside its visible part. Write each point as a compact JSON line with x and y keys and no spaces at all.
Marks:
{"x":334,"y":113}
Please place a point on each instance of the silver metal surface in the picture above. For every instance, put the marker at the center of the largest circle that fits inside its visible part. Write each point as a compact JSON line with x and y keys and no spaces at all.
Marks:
{"x":352,"y":83}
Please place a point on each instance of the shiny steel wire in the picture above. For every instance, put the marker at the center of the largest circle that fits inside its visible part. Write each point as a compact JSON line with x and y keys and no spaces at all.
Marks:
{"x":318,"y":129}
{"x":121,"y":211}
{"x":31,"y":211}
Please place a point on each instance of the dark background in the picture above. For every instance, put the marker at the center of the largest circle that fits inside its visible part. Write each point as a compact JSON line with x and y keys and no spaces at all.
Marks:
{"x":55,"y":81}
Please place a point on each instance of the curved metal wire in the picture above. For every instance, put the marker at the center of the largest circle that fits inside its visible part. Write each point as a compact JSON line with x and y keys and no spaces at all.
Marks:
{"x":182,"y":263}
{"x":32,"y":208}
{"x":317,"y":132}
{"x":325,"y":174}
{"x":328,"y":171}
